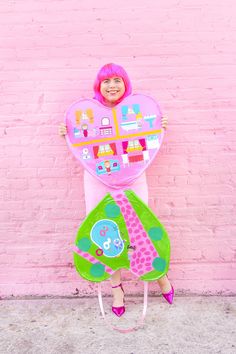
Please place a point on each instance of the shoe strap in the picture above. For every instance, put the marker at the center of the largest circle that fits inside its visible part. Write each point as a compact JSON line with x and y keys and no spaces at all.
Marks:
{"x":140,"y":322}
{"x":117,"y":286}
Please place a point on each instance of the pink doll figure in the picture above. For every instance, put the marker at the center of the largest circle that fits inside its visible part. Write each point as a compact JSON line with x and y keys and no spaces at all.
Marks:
{"x":107,"y":166}
{"x":111,"y":86}
{"x":85,"y":130}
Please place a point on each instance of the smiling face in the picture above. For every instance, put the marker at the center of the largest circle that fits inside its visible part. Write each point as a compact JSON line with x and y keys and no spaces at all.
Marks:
{"x":112,"y":89}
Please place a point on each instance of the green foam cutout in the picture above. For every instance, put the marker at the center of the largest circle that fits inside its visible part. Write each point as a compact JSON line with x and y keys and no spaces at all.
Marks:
{"x":159,"y":264}
{"x":112,"y":210}
{"x":105,"y":229}
{"x":84,"y":244}
{"x":155,"y":233}
{"x":97,"y":270}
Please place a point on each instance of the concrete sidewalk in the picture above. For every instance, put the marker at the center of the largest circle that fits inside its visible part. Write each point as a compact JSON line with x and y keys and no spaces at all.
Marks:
{"x":55,"y":326}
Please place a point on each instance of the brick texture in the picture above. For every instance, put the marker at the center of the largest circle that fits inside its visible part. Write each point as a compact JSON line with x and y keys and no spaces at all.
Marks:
{"x":183,"y":53}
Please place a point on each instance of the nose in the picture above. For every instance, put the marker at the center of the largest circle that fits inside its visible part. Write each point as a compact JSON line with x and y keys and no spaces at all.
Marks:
{"x":112,"y":83}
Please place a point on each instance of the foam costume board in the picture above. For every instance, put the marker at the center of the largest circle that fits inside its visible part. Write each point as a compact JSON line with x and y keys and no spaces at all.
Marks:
{"x":116,"y":145}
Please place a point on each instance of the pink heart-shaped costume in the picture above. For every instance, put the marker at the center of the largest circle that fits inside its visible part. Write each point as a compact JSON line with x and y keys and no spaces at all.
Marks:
{"x":117,"y":144}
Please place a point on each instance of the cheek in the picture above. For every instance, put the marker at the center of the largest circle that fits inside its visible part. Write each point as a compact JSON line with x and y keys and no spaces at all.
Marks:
{"x":103,"y":90}
{"x":122,"y":91}
{"x":123,"y":87}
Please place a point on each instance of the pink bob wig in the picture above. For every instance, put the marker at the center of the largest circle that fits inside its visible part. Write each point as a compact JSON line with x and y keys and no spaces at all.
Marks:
{"x":106,"y":72}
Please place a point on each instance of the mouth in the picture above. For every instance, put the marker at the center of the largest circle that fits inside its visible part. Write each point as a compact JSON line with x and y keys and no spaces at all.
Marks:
{"x":112,"y":92}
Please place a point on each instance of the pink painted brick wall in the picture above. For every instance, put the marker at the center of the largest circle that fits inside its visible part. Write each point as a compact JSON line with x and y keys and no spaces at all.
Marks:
{"x":183,"y":53}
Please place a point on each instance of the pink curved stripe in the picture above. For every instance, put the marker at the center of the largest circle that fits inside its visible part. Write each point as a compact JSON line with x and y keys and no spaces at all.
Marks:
{"x":91,"y":259}
{"x":144,"y":252}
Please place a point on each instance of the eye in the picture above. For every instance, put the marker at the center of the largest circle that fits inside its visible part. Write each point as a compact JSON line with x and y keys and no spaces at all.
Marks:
{"x":105,"y":81}
{"x":117,"y":80}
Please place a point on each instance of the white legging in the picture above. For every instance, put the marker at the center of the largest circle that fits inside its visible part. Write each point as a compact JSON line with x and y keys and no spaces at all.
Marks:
{"x":94,"y":190}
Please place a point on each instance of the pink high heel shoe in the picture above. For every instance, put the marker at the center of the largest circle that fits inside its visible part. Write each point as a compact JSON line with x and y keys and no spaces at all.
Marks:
{"x":118,"y":311}
{"x":169,"y":296}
